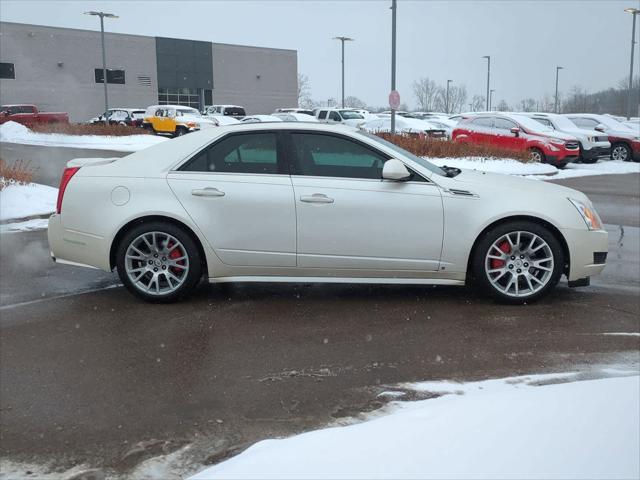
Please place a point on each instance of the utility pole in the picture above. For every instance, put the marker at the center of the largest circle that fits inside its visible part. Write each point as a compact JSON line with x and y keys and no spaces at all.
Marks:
{"x":555,"y":108}
{"x":342,"y":40}
{"x":634,"y":12}
{"x":102,"y":16}
{"x":394,"y":7}
{"x":447,"y":99}
{"x":491,"y":99}
{"x":488,"y":57}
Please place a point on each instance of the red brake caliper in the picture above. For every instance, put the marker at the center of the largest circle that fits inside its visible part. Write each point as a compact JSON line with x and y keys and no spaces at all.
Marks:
{"x":175,"y":253}
{"x":497,"y":263}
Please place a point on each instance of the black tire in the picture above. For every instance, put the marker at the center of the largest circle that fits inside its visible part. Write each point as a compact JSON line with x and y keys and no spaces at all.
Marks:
{"x":589,"y":160}
{"x":194,"y":272}
{"x":180,"y":131}
{"x":537,"y":155}
{"x":621,"y":151}
{"x":480,"y":276}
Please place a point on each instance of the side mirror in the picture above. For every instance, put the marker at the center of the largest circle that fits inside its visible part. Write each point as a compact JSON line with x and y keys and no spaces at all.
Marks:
{"x":516,"y":131}
{"x":395,"y":170}
{"x":600,"y":128}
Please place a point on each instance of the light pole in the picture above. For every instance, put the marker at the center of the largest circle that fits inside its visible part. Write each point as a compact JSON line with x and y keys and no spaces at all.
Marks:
{"x":102,"y":16}
{"x":342,"y":40}
{"x":471,"y":107}
{"x":447,"y":99}
{"x":488,"y":57}
{"x":394,"y":7}
{"x":634,"y":12}
{"x":555,"y":108}
{"x":491,"y":99}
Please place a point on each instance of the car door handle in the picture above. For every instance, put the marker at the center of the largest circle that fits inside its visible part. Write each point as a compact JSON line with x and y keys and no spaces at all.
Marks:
{"x":316,"y":198}
{"x":207,"y":192}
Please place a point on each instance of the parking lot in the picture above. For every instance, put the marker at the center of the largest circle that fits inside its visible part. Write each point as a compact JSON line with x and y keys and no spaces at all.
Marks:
{"x":91,"y":375}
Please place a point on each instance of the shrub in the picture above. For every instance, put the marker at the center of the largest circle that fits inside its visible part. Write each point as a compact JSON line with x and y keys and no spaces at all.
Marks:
{"x":89,"y":129}
{"x":431,"y":147}
{"x":18,"y":173}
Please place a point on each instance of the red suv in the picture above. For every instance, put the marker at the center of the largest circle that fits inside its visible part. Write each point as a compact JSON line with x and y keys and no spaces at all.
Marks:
{"x":519,"y":133}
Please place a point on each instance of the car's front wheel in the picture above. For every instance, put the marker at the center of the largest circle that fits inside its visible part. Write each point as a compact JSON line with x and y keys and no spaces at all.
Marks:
{"x":537,"y":155}
{"x":159,"y":262}
{"x":518,"y":262}
{"x":620,"y":152}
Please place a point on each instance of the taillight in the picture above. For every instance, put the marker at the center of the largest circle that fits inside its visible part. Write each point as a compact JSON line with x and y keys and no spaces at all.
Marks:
{"x":64,"y":181}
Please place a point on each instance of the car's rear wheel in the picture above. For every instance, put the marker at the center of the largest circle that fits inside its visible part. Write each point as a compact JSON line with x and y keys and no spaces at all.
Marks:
{"x":181,"y":131}
{"x":536,"y":155}
{"x":620,"y":152}
{"x":518,"y":262}
{"x":158,"y":262}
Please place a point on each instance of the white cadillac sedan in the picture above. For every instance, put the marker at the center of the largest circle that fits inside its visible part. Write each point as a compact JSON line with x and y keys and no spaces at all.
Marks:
{"x":286,"y":202}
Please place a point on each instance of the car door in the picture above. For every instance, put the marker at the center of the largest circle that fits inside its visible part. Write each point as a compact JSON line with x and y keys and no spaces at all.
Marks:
{"x":239,"y":194}
{"x":505,"y":138}
{"x":348,"y":218}
{"x":481,"y":130}
{"x":334,"y":117}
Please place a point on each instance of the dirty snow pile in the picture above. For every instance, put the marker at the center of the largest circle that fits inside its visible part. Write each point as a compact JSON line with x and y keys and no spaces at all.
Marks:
{"x":491,"y":429}
{"x":24,"y":201}
{"x":13,"y":132}
{"x":541,"y":171}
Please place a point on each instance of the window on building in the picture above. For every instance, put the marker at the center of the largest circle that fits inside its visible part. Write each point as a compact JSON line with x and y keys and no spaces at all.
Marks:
{"x":188,"y":97}
{"x":7,"y":70}
{"x":113,"y":76}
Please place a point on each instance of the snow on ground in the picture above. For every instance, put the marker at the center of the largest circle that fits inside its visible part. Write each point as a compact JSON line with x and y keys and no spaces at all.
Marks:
{"x":13,"y":132}
{"x":623,"y":334}
{"x":541,"y":171}
{"x":27,"y":226}
{"x":23,"y":201}
{"x":493,"y":429}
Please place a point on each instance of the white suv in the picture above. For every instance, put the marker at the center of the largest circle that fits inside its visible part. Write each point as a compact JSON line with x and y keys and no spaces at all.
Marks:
{"x":593,"y":144}
{"x":346,"y":116}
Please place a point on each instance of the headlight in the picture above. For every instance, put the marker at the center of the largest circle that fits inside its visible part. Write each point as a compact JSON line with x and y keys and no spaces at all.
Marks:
{"x":588,"y":214}
{"x":193,"y":125}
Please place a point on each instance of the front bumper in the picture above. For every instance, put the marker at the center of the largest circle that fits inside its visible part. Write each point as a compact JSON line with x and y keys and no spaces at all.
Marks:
{"x":587,"y":251}
{"x":595,"y":152}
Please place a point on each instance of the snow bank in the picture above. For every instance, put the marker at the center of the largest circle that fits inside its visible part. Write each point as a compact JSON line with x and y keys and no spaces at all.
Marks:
{"x":13,"y":132}
{"x":496,"y":429}
{"x":22,"y":201}
{"x":603,"y":167}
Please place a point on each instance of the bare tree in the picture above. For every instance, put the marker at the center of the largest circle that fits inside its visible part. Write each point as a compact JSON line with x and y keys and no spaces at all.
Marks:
{"x":425,"y":90}
{"x":503,"y":106}
{"x":478,"y":103}
{"x":457,"y":98}
{"x":304,"y":91}
{"x":354,"y":102}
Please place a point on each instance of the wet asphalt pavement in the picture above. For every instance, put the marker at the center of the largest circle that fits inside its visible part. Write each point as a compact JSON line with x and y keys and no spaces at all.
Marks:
{"x":85,"y":377}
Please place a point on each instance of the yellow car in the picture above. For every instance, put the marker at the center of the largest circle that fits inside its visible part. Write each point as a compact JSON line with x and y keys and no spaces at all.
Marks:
{"x":175,"y":119}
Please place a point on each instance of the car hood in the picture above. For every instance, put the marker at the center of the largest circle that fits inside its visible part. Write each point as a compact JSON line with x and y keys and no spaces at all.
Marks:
{"x":556,"y":134}
{"x":485,"y":183}
{"x":193,"y":118}
{"x":621,"y":133}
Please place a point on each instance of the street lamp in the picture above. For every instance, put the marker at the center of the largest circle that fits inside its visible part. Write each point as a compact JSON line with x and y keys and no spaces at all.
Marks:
{"x":555,"y":108}
{"x":488,"y":57}
{"x":447,"y":99}
{"x":102,"y":16}
{"x":342,"y":40}
{"x":634,"y":12}
{"x":491,"y":99}
{"x":394,"y":8}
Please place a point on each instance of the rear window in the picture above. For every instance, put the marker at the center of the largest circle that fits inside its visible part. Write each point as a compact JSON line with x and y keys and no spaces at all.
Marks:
{"x":234,"y":112}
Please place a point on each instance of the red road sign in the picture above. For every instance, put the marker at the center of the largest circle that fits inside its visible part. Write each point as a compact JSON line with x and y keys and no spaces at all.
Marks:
{"x":394,"y":100}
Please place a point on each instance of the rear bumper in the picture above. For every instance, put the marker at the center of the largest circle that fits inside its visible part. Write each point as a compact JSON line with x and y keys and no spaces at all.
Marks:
{"x":76,"y":248}
{"x":587,"y":250}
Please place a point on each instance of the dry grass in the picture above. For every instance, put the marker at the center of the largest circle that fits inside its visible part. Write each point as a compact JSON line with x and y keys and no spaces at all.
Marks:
{"x":19,"y":173}
{"x":429,"y":147}
{"x":89,"y":129}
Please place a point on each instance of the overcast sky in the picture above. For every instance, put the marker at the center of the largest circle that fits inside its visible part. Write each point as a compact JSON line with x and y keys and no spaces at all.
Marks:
{"x":437,"y":39}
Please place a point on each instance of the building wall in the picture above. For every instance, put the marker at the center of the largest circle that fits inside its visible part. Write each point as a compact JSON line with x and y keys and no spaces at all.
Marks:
{"x":259,"y":79}
{"x":71,"y":87}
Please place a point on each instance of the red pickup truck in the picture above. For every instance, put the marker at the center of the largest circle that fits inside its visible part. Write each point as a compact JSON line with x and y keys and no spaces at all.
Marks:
{"x":29,"y":115}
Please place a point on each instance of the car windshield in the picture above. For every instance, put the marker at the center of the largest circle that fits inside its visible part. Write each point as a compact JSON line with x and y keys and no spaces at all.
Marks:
{"x":419,"y":160}
{"x":350,"y":115}
{"x":531,"y":124}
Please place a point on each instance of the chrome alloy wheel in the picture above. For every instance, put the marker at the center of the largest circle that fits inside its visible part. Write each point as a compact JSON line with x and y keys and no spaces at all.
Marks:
{"x":535,"y":156}
{"x":156,"y":263}
{"x":620,"y":153}
{"x":519,"y":264}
